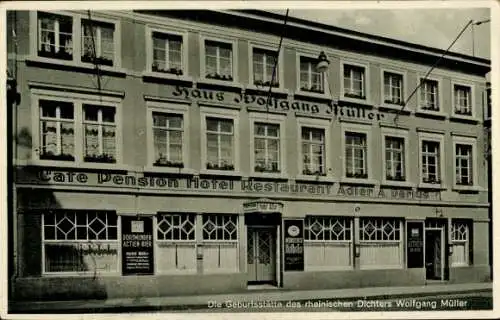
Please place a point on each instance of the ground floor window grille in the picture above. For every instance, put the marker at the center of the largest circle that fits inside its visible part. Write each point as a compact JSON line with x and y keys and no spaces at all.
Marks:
{"x":220,"y":243}
{"x":460,"y":236}
{"x":380,"y":243}
{"x":80,"y":242}
{"x":176,"y":245}
{"x":328,"y":242}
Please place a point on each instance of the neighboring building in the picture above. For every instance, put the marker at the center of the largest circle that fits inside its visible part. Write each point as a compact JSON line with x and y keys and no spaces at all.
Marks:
{"x":147,"y":162}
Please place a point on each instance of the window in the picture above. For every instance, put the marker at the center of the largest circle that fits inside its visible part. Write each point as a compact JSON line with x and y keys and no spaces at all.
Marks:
{"x":55,"y":36}
{"x":313,"y":151}
{"x":395,"y":158}
{"x":98,"y":42}
{"x":463,"y":164}
{"x":167,"y":53}
{"x":327,"y":229}
{"x":488,"y":102}
{"x":267,"y":147}
{"x":220,"y":143}
{"x":57,"y":130}
{"x":429,"y":95}
{"x":460,"y":238}
{"x":100,"y":134}
{"x":431,"y":162}
{"x":176,"y":235}
{"x":220,"y":247}
{"x":220,"y":227}
{"x":218,"y":60}
{"x":264,"y":62}
{"x":379,"y":229}
{"x":310,"y":79}
{"x":356,"y":155}
{"x":463,"y":100}
{"x":354,"y":81}
{"x":381,"y":245}
{"x":78,"y":241}
{"x":168,"y":131}
{"x":393,"y":88}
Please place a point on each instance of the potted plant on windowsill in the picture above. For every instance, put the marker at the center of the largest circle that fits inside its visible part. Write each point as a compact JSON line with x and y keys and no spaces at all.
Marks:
{"x":57,"y":157}
{"x":217,"y":76}
{"x":357,"y":175}
{"x":260,"y":83}
{"x":89,"y":57}
{"x":61,"y":54}
{"x":269,"y":169}
{"x":431,"y":180}
{"x":101,"y":158}
{"x":175,"y":71}
{"x":309,"y":172}
{"x":163,"y":162}
{"x":395,"y":178}
{"x":313,"y":89}
{"x":224,"y":166}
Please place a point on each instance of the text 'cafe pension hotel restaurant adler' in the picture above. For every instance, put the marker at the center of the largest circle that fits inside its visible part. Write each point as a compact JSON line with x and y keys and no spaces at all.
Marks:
{"x":151,"y":159}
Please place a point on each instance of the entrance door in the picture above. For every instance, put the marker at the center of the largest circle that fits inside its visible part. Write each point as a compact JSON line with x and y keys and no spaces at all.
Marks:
{"x":261,"y":257}
{"x":434,"y":259}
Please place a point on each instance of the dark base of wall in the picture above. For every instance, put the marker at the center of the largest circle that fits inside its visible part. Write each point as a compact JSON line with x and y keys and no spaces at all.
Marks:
{"x":470,"y":274}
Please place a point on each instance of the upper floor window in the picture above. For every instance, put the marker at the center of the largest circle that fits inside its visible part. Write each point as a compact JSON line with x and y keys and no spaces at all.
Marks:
{"x":313,"y":151}
{"x":429,"y":95}
{"x":267,"y":147}
{"x":167,"y":53}
{"x":220,"y":143}
{"x":265,"y":68}
{"x":311,"y":80}
{"x":100,"y":133}
{"x":393,"y":88}
{"x":356,"y":155}
{"x":431,"y":162}
{"x":55,"y":36}
{"x":98,"y":42}
{"x":462,"y":100}
{"x":463,"y":164}
{"x":354,"y":81}
{"x":394,"y":158}
{"x":218,"y":60}
{"x":57,"y":130}
{"x":168,"y":131}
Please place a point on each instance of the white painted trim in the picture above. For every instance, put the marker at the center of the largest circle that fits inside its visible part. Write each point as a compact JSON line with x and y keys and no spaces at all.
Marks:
{"x":358,"y":128}
{"x":472,"y":142}
{"x":326,"y":91}
{"x":404,"y":91}
{"x":366,"y":80}
{"x":472,"y":99}
{"x":280,"y":66}
{"x":442,"y":158}
{"x":319,"y":124}
{"x":439,"y":81}
{"x":391,"y":132}
{"x":149,"y":51}
{"x":234,"y":53}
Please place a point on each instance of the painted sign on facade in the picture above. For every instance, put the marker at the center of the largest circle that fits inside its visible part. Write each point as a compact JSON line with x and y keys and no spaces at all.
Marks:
{"x":294,"y":244}
{"x":415,"y":244}
{"x":137,"y":245}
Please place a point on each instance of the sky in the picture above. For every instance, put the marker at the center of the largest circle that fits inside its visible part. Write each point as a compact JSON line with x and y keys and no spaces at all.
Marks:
{"x":430,"y":27}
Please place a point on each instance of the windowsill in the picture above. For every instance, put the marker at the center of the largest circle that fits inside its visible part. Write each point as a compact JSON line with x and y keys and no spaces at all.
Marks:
{"x":73,"y":164}
{"x":265,"y":89}
{"x":167,"y":76}
{"x":366,"y":181}
{"x":363,"y":101}
{"x":432,"y":186}
{"x":317,"y":95}
{"x":222,"y":173}
{"x":75,"y":64}
{"x":402,"y":184}
{"x":429,"y":113}
{"x":221,"y":83}
{"x":396,"y":107}
{"x":181,"y":171}
{"x":467,"y":188}
{"x":269,"y":175}
{"x":82,"y":274}
{"x":304,"y":177}
{"x":460,"y":117}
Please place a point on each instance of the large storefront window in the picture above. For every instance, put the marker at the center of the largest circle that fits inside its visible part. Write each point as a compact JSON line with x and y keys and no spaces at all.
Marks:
{"x":220,"y":243}
{"x":328,"y":243}
{"x":176,"y":242}
{"x":380,"y":243}
{"x":80,"y":242}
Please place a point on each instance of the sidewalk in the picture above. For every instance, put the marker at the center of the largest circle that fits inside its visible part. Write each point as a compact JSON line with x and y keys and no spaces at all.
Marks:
{"x":272,"y":295}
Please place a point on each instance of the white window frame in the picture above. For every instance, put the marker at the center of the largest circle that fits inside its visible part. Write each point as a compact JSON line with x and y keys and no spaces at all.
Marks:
{"x":280,"y":67}
{"x":234,"y":62}
{"x":236,"y":242}
{"x":433,"y":137}
{"x":322,"y":124}
{"x":83,"y":273}
{"x":223,"y":114}
{"x":439,"y":99}
{"x":259,"y":117}
{"x":472,"y":100}
{"x":77,"y":39}
{"x":78,"y":101}
{"x":149,"y":52}
{"x":364,"y":129}
{"x":466,"y":242}
{"x":403,"y":75}
{"x":397,"y":133}
{"x":100,"y":126}
{"x":366,"y":81}
{"x":475,"y":177}
{"x":323,"y":76}
{"x":169,"y":108}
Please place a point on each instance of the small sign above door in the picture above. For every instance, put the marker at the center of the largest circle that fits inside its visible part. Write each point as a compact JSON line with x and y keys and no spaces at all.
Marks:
{"x":263,"y":206}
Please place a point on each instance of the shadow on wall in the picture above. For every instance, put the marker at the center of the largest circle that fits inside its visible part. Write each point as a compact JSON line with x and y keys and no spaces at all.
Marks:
{"x":26,"y":280}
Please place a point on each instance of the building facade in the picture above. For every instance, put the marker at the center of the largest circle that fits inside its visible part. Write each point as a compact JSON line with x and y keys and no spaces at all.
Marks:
{"x":162,"y":153}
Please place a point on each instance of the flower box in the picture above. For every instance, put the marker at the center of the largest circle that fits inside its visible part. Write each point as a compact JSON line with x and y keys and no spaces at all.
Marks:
{"x":57,"y":157}
{"x":354,"y":95}
{"x":431,"y":180}
{"x":266,"y":169}
{"x":309,"y":172}
{"x":214,"y":166}
{"x":98,"y":60}
{"x":260,"y":83}
{"x":175,"y":71}
{"x":103,"y":158}
{"x":63,"y":55}
{"x":170,"y":164}
{"x":217,"y":76}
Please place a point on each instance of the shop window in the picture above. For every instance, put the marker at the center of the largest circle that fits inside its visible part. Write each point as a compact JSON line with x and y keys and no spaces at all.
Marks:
{"x":354,"y":81}
{"x":57,"y":130}
{"x":176,"y":235}
{"x":220,"y":243}
{"x":167,"y":53}
{"x":431,"y":162}
{"x":311,"y":80}
{"x":460,"y":239}
{"x":55,"y":36}
{"x":393,"y":88}
{"x":462,"y":100}
{"x":100,"y":134}
{"x":98,"y":42}
{"x":429,"y":95}
{"x":313,"y":151}
{"x":356,"y":155}
{"x":168,"y":136}
{"x":463,"y":164}
{"x":220,"y":144}
{"x":218,"y":60}
{"x":380,"y":243}
{"x":80,"y":242}
{"x":264,"y":62}
{"x":395,"y":158}
{"x":267,"y":147}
